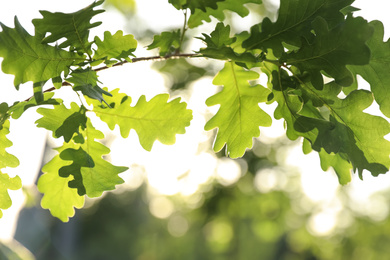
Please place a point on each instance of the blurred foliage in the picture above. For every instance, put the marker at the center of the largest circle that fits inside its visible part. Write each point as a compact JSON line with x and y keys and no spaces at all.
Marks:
{"x":126,"y":7}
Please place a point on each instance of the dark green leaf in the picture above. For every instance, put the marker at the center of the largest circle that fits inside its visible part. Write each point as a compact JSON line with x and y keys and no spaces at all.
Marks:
{"x":294,"y":22}
{"x":333,"y":49}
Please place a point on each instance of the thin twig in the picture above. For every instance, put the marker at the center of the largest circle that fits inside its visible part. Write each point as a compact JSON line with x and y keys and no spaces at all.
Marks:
{"x":150,"y":58}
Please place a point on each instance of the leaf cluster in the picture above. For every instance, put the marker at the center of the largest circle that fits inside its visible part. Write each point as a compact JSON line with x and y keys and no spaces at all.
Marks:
{"x":311,"y":55}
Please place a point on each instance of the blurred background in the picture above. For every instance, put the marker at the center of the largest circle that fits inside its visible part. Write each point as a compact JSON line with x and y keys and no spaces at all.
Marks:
{"x":184,"y":201}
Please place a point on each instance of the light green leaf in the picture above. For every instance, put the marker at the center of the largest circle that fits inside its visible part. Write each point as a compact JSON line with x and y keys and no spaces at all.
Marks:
{"x":58,"y":197}
{"x":92,"y":174}
{"x":294,"y":22}
{"x":74,"y":27}
{"x":237,"y":6}
{"x":19,"y":108}
{"x":239,"y":116}
{"x":340,"y":165}
{"x":167,"y":42}
{"x":7,"y":183}
{"x":30,"y":60}
{"x":63,"y":121}
{"x":333,"y":49}
{"x":117,"y":46}
{"x":156,"y":119}
{"x":377,"y":71}
{"x":6,"y":159}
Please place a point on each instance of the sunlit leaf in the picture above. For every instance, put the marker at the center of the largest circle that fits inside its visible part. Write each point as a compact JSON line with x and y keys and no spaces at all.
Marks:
{"x":376,"y":72}
{"x":237,"y":6}
{"x":30,"y":60}
{"x":58,"y":197}
{"x":63,"y":121}
{"x":239,"y":116}
{"x":156,"y":119}
{"x":74,"y":27}
{"x":7,"y":183}
{"x":117,"y":46}
{"x":167,"y":42}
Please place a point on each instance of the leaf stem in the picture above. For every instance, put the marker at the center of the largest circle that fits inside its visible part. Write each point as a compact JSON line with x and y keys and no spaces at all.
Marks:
{"x":183,"y":31}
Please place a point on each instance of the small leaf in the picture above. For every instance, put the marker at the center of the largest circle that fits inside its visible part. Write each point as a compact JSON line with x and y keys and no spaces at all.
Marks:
{"x":74,"y":27}
{"x":58,"y":197}
{"x":19,"y":108}
{"x":117,"y":46}
{"x":30,"y":60}
{"x":167,"y":42}
{"x":62,"y":121}
{"x":6,"y":159}
{"x":239,"y":116}
{"x":156,"y":119}
{"x":201,"y":4}
{"x":85,"y":80}
{"x":7,"y":183}
{"x":237,"y":6}
{"x":92,"y":174}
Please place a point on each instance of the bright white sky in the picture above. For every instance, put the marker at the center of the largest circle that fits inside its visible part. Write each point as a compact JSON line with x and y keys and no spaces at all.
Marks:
{"x":29,"y":141}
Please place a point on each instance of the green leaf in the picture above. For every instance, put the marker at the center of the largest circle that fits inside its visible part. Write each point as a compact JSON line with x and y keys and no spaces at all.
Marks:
{"x":156,"y":119}
{"x":340,"y":165}
{"x":220,"y":46}
{"x":117,"y":46}
{"x":85,"y":80}
{"x":20,"y":107}
{"x":7,"y":183}
{"x":167,"y":42}
{"x":201,"y":4}
{"x":58,"y":197}
{"x":178,"y":4}
{"x":237,"y":6}
{"x":239,"y":116}
{"x":92,"y":174}
{"x":376,"y":72}
{"x":6,"y":159}
{"x":74,"y":27}
{"x":63,"y":121}
{"x":30,"y":60}
{"x":294,"y":21}
{"x":333,"y":49}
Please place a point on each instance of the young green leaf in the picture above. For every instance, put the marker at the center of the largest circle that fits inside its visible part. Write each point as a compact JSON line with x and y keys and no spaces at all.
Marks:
{"x":294,"y":22}
{"x":6,"y":159}
{"x":73,"y":26}
{"x":7,"y":183}
{"x":219,"y":46}
{"x":376,"y":72}
{"x":30,"y":60}
{"x":333,"y":49}
{"x":237,"y":6}
{"x":117,"y":46}
{"x":239,"y":116}
{"x":156,"y":119}
{"x":58,"y":197}
{"x":92,"y":174}
{"x":167,"y":42}
{"x":63,"y":121}
{"x":341,"y":166}
{"x":86,"y":81}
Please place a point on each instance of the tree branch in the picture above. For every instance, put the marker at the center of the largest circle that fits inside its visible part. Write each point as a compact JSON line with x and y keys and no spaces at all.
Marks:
{"x":150,"y":58}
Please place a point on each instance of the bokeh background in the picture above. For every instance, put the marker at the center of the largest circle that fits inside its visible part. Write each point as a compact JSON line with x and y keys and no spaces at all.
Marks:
{"x":184,"y":201}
